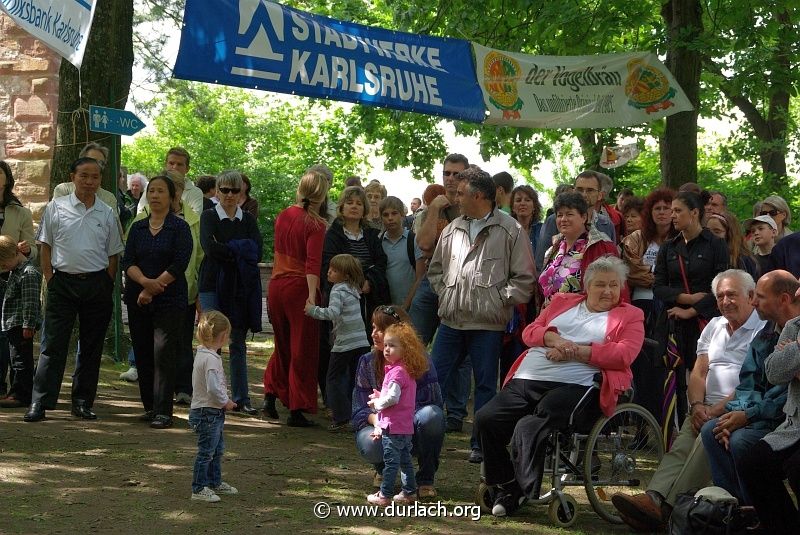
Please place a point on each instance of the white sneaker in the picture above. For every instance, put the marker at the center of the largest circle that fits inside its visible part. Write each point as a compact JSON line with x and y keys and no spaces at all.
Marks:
{"x":206,"y":495}
{"x":132,"y":375}
{"x":182,"y":398}
{"x":224,"y":488}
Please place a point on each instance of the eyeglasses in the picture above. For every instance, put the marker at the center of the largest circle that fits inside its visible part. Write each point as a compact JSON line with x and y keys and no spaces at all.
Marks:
{"x":450,"y":173}
{"x":771,"y":213}
{"x":586,"y":190}
{"x":389,"y":311}
{"x":226,"y":191}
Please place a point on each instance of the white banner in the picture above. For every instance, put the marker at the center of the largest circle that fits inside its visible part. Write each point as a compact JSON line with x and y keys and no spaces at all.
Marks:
{"x":63,"y":25}
{"x":600,"y":91}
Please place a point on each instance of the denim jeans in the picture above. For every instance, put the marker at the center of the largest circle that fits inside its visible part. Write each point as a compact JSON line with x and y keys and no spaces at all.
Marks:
{"x":397,"y":456}
{"x":208,"y":423}
{"x":238,"y":353}
{"x":426,"y":444}
{"x":131,"y":358}
{"x":458,"y":392}
{"x":725,"y":463}
{"x":450,"y":349}
{"x":424,"y":311}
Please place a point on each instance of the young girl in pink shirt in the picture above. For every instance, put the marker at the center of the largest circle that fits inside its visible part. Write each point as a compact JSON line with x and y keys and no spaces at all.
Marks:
{"x":406,"y":362}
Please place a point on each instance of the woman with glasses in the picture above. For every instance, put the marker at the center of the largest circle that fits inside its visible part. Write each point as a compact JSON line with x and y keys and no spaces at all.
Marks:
{"x":428,"y":415}
{"x":229,"y":279}
{"x":778,"y":209}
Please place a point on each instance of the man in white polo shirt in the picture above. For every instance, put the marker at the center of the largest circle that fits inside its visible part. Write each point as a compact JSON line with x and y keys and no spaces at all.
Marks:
{"x":721,"y":350}
{"x":80,"y":244}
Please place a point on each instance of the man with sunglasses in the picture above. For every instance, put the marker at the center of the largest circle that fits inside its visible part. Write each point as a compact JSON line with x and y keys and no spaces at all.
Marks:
{"x":588,"y":183}
{"x":425,"y":305}
{"x":178,"y":160}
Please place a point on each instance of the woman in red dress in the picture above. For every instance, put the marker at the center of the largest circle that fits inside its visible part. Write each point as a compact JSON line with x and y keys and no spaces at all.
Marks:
{"x":291,"y":374}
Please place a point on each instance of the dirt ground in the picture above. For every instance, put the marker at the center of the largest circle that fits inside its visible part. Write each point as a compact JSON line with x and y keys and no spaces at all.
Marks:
{"x":117,"y":475}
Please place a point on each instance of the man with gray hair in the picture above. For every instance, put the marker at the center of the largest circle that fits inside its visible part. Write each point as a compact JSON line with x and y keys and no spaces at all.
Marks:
{"x":482,"y":266}
{"x":721,"y":350}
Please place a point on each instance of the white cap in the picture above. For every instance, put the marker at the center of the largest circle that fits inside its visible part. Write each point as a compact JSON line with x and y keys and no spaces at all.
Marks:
{"x":761,"y":219}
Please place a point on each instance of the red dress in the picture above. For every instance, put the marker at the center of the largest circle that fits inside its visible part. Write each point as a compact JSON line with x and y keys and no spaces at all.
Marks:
{"x":291,"y":373}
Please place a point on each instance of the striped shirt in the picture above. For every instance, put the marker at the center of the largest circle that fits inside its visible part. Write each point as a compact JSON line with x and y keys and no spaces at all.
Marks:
{"x":344,"y":310}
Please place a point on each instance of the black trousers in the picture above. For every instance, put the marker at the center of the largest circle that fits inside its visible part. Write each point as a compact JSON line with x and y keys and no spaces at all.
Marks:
{"x":154,"y":335}
{"x":68,"y":297}
{"x":185,"y":355}
{"x":763,"y":471}
{"x":549,"y":405}
{"x":21,"y":351}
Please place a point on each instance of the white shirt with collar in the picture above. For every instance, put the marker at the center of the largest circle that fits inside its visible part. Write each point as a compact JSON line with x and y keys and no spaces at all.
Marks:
{"x":192,"y":195}
{"x":222,"y":215}
{"x":726,"y":352}
{"x":81,"y":239}
{"x":477,"y":225}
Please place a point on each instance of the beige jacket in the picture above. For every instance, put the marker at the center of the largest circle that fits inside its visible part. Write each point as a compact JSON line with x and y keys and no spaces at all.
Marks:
{"x":18,"y":225}
{"x":479,"y":283}
{"x":633,"y":248}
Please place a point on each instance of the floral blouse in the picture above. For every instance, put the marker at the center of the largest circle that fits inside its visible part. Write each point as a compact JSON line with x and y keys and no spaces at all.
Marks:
{"x":563,"y":273}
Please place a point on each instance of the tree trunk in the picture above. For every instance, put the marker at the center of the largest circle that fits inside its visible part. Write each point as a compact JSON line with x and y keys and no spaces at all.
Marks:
{"x":104,"y":80}
{"x":679,"y":143}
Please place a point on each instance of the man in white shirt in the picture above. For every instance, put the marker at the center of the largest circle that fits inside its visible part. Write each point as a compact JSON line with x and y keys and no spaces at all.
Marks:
{"x":80,"y":243}
{"x":721,"y":350}
{"x":178,"y":160}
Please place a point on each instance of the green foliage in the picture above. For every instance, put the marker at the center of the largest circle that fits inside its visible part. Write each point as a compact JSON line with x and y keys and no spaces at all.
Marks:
{"x":270,"y":141}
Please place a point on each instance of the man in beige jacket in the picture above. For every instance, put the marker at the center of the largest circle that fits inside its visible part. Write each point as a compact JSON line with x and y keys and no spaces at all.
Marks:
{"x":482,"y":266}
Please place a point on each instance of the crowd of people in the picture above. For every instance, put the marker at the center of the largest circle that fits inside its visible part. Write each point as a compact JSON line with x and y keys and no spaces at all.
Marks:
{"x":393,"y":317}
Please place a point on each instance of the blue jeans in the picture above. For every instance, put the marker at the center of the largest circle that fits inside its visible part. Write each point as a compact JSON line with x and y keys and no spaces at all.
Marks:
{"x":207,"y":422}
{"x":131,"y":358}
{"x":426,"y":444}
{"x":238,"y":353}
{"x":458,"y":392}
{"x":450,"y":349}
{"x":725,"y":464}
{"x":397,"y":456}
{"x":424,"y":311}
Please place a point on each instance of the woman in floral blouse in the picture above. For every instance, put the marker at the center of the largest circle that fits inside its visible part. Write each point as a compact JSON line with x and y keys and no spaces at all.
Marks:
{"x":574,"y":248}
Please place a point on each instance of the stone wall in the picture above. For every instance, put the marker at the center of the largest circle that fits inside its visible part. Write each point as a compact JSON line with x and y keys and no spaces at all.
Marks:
{"x":28,"y":111}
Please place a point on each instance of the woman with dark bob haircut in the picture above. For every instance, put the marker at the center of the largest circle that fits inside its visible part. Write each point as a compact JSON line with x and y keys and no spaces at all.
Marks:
{"x":16,"y":222}
{"x":576,"y":246}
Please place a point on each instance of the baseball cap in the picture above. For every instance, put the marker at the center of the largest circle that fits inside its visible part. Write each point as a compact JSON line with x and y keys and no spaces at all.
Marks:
{"x":761,"y":219}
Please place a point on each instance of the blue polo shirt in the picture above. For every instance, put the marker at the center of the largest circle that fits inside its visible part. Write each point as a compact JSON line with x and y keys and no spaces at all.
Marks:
{"x":399,"y":271}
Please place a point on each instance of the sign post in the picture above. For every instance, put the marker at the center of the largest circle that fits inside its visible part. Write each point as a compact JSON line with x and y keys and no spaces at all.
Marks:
{"x":117,"y":123}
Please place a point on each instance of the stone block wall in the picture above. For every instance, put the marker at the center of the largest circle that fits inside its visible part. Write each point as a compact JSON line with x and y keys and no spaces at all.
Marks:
{"x":28,"y":112}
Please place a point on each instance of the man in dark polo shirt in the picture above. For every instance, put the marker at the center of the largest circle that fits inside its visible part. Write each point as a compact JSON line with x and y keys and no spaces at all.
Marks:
{"x":80,"y":244}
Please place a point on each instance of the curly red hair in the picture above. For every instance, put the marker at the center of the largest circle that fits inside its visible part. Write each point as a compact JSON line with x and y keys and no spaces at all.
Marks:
{"x":414,"y":359}
{"x":649,"y":230}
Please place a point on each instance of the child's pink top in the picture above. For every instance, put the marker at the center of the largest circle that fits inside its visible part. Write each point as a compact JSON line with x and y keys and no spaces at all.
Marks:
{"x":398,"y":419}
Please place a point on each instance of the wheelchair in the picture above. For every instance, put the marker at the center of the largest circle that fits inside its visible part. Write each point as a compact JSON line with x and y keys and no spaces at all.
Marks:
{"x":612,"y":454}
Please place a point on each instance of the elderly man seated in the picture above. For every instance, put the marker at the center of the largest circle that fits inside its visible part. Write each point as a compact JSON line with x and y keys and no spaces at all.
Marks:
{"x":757,"y":405}
{"x":721,"y":350}
{"x":576,"y":336}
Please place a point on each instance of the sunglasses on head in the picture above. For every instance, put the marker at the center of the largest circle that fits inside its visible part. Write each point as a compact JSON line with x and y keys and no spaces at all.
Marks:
{"x":225,"y":191}
{"x":771,"y":213}
{"x":390,"y":311}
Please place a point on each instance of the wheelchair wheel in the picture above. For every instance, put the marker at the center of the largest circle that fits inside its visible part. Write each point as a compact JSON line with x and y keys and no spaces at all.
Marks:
{"x":622,"y":454}
{"x":560,"y":516}
{"x":483,"y":498}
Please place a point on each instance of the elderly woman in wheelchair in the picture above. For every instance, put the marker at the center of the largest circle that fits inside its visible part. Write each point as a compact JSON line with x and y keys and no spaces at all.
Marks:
{"x":576,"y":337}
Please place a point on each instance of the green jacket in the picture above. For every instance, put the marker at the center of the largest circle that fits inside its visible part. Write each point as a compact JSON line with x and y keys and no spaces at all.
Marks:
{"x":193,"y":220}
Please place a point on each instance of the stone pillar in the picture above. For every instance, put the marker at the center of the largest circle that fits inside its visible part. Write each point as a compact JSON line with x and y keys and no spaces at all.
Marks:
{"x":28,"y":112}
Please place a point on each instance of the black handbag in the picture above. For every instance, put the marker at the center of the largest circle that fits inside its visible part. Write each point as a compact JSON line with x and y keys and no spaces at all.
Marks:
{"x":696,"y":515}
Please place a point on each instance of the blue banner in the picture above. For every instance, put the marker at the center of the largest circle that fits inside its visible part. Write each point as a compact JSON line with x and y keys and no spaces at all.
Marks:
{"x":263,"y":45}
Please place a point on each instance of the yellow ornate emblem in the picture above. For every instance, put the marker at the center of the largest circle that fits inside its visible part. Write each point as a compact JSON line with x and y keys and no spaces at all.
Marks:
{"x":500,"y":75}
{"x":647,"y":87}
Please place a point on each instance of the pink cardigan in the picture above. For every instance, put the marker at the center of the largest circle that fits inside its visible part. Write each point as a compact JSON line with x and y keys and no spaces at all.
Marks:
{"x":624,"y":339}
